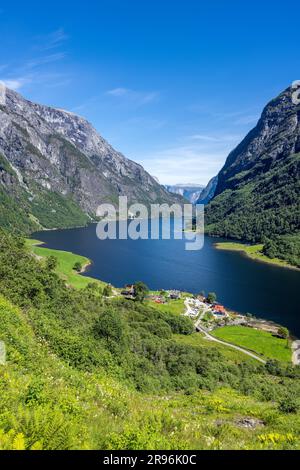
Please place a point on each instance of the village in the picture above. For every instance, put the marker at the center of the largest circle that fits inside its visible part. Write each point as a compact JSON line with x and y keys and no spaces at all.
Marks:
{"x":203,"y":310}
{"x":209,"y":317}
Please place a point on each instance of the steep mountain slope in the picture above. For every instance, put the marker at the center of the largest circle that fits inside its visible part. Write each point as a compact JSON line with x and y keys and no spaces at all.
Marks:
{"x":208,"y":192}
{"x":257,"y":195}
{"x":56,"y":168}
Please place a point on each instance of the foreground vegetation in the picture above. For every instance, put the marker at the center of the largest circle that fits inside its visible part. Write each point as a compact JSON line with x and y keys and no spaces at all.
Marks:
{"x":261,"y":342}
{"x":83,"y":371}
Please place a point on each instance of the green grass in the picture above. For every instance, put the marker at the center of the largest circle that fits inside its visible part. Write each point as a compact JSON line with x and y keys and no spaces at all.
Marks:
{"x":261,"y":342}
{"x":123,"y":418}
{"x":66,"y":261}
{"x":173,"y":306}
{"x":197,"y":340}
{"x":252,"y":251}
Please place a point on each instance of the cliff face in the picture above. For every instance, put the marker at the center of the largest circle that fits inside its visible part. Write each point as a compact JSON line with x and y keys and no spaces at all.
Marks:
{"x":54,"y":161}
{"x":276,"y":137}
{"x":208,"y":192}
{"x":257,"y":194}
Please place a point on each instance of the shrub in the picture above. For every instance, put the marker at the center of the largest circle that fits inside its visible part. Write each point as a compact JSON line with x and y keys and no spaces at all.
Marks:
{"x":289,"y":404}
{"x":77,"y":266}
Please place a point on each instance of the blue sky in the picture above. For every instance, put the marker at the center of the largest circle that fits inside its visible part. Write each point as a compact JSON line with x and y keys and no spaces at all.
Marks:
{"x":174,"y":85}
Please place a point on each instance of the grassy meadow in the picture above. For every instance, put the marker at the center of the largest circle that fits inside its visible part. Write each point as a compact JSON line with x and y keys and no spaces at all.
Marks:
{"x":65,"y":267}
{"x":252,"y":251}
{"x":261,"y":342}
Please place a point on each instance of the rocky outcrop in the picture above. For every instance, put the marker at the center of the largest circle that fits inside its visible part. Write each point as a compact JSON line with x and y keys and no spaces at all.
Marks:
{"x":208,"y":192}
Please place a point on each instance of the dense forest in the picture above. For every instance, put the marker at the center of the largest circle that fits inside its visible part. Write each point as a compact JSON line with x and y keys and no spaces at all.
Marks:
{"x":85,"y":371}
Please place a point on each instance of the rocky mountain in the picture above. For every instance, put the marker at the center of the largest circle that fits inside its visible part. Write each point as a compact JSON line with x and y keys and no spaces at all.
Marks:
{"x":258,"y":189}
{"x":191,"y":192}
{"x":208,"y":192}
{"x":55,"y":169}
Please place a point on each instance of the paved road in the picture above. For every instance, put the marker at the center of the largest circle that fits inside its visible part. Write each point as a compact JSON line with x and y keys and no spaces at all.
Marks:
{"x":212,"y":338}
{"x":238,"y":348}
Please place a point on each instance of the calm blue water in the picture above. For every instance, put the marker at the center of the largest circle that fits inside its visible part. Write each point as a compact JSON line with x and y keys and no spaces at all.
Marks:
{"x":241,"y":284}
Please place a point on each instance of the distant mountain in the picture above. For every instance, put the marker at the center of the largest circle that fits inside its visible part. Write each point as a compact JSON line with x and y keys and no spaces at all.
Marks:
{"x":55,"y":169}
{"x":191,"y":192}
{"x":258,"y":190}
{"x":208,"y":192}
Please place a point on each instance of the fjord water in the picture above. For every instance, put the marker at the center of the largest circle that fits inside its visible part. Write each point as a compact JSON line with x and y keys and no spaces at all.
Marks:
{"x":242,"y":284}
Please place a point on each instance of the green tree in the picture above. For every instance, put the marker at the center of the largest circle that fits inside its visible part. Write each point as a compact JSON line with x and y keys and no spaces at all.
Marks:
{"x":283,"y":332}
{"x":111,"y":327}
{"x":51,"y":263}
{"x":92,"y":286}
{"x":141,"y":291}
{"x":77,"y":266}
{"x":179,"y":324}
{"x":211,"y":297}
{"x":107,"y":290}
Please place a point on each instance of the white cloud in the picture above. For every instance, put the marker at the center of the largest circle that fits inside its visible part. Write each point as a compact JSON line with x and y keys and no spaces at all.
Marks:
{"x":137,"y":97}
{"x":118,"y":92}
{"x":196,"y":162}
{"x":47,"y":59}
{"x":51,"y":40}
{"x":15,"y":83}
{"x":213,"y":138}
{"x":241,"y":117}
{"x":174,"y":165}
{"x":36,"y":69}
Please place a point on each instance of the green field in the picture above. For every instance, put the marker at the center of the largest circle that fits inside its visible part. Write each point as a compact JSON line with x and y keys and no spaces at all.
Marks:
{"x":252,"y":251}
{"x":173,"y":306}
{"x":197,"y":340}
{"x":261,"y":342}
{"x":66,"y":261}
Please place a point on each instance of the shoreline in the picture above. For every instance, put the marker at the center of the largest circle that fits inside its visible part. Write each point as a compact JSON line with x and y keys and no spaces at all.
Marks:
{"x":260,"y":320}
{"x":40,"y":243}
{"x":250,"y":251}
{"x":253,"y":252}
{"x":68,"y":258}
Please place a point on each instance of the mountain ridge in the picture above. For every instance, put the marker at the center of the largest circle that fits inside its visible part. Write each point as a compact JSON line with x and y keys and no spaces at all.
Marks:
{"x":55,"y":162}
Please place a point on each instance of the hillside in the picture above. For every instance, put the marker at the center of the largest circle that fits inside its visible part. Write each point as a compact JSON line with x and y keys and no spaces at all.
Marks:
{"x":55,"y":169}
{"x":208,"y":192}
{"x":87,"y":372}
{"x":258,"y":190}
